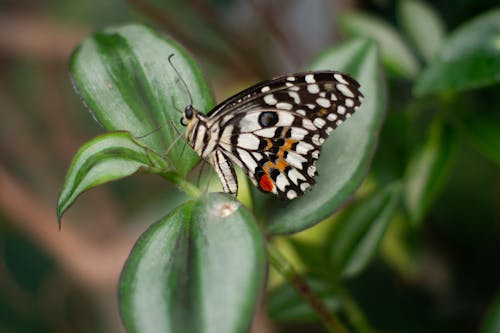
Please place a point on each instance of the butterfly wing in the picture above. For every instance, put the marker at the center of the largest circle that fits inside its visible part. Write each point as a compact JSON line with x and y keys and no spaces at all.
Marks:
{"x":274,"y":130}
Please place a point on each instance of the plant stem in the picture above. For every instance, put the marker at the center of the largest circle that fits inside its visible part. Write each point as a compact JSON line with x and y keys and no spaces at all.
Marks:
{"x":182,"y":183}
{"x":279,"y":263}
{"x":354,"y":313}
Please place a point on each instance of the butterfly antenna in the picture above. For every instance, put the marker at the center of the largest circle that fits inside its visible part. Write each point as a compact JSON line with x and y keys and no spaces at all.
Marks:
{"x":180,"y":77}
{"x":175,"y":106}
{"x":150,"y":132}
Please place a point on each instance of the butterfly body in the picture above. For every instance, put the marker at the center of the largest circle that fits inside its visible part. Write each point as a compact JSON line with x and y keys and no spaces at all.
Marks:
{"x":273,"y":130}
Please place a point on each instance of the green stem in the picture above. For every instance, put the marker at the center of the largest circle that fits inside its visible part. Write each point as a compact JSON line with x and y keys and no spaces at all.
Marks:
{"x":182,"y":183}
{"x":279,"y":263}
{"x":354,"y":313}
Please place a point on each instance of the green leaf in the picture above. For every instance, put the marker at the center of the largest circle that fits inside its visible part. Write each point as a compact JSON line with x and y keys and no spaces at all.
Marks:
{"x":125,"y":79}
{"x":357,"y":237}
{"x":346,"y":155}
{"x":199,"y":269}
{"x":491,"y":323}
{"x":483,"y":131}
{"x":103,"y":159}
{"x":423,"y":26}
{"x":428,"y":169}
{"x":469,"y":58}
{"x":395,"y":54}
{"x":285,"y":303}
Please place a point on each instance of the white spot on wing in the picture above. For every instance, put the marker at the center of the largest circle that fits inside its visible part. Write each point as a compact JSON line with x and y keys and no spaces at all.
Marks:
{"x":298,"y":133}
{"x":268,"y":132}
{"x":295,"y":160}
{"x":304,"y":186}
{"x":291,"y":194}
{"x":247,"y":159}
{"x":315,"y":139}
{"x":306,"y":123}
{"x":319,"y":123}
{"x":285,"y":119}
{"x":341,"y":109}
{"x":313,"y":88}
{"x":248,"y":141}
{"x":264,"y":89}
{"x":331,"y":117}
{"x":249,"y":123}
{"x":295,"y":176}
{"x":281,"y":182}
{"x":284,"y":106}
{"x":301,"y":112}
{"x":310,"y":78}
{"x":340,"y":78}
{"x":349,"y":102}
{"x":311,"y":170}
{"x":323,"y":102}
{"x":257,"y":156}
{"x":345,"y":90}
{"x":270,"y":100}
{"x":303,"y":147}
{"x":295,"y":96}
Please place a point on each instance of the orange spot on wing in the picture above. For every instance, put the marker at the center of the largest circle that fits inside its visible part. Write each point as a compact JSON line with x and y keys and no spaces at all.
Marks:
{"x":266,"y":183}
{"x":322,"y":112}
{"x":281,"y":165}
{"x":288,"y":144}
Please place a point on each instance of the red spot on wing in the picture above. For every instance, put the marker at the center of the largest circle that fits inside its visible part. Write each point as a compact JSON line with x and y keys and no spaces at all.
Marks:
{"x":266,"y":183}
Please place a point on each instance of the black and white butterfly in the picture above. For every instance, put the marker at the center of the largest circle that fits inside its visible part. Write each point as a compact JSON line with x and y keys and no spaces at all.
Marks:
{"x":273,"y":130}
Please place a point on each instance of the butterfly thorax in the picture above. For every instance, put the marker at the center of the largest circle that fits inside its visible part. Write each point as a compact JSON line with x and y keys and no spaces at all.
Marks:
{"x":200,"y":136}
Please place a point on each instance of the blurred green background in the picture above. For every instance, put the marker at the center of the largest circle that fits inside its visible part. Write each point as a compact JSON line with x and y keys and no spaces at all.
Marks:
{"x":441,"y":277}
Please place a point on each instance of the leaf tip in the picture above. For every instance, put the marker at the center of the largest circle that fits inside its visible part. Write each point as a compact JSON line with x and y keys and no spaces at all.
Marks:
{"x":59,"y":213}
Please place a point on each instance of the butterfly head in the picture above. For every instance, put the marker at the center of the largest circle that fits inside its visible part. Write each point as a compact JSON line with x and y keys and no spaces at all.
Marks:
{"x":196,"y":126}
{"x":187,"y":115}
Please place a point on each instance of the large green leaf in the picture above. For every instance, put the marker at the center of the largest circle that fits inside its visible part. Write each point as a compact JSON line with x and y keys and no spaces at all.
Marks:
{"x":199,"y":269}
{"x":428,"y":169}
{"x":422,"y":25}
{"x":470,"y":58}
{"x":125,"y":79}
{"x":346,"y":155}
{"x":357,"y":236}
{"x":395,"y":54}
{"x":103,"y":159}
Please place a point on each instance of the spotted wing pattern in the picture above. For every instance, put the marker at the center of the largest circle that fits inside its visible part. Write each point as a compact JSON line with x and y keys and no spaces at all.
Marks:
{"x":274,"y":130}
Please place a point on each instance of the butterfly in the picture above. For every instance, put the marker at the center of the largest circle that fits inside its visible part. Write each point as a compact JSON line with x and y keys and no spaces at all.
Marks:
{"x":273,"y":130}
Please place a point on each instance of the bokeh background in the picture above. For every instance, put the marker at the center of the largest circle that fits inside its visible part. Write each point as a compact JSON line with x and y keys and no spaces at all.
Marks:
{"x":65,"y":281}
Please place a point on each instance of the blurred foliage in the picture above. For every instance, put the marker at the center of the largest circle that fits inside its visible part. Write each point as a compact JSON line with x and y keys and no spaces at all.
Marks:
{"x":433,"y":270}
